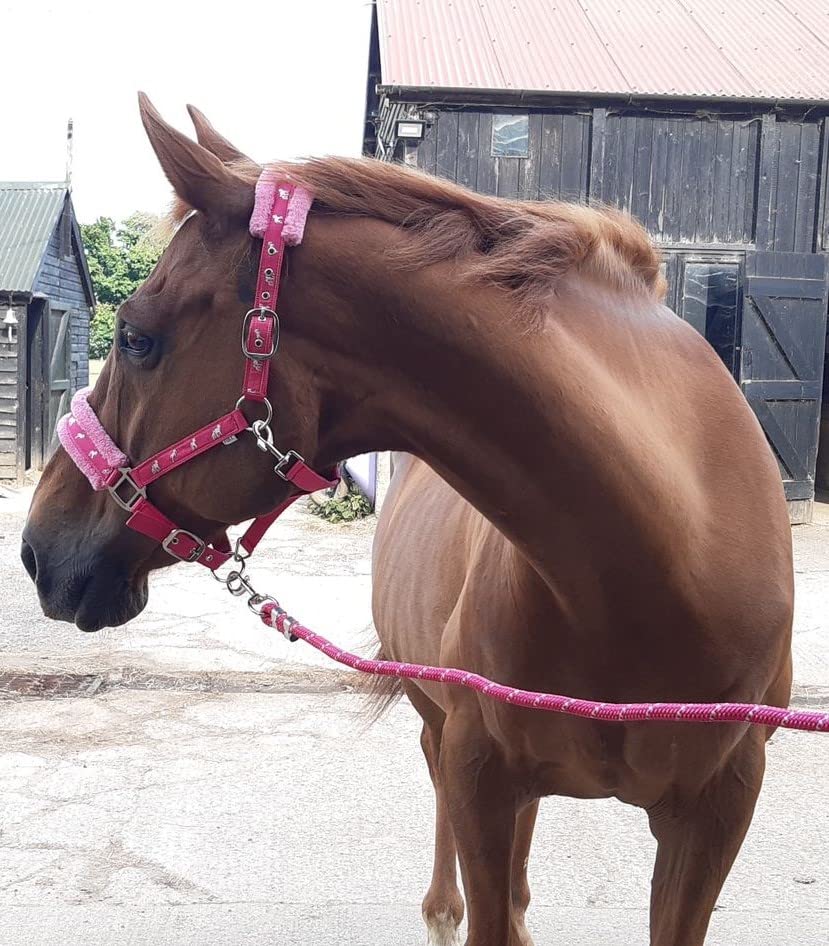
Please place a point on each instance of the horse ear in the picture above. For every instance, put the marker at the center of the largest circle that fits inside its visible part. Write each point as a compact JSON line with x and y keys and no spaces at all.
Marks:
{"x":198,"y":177}
{"x":209,"y":138}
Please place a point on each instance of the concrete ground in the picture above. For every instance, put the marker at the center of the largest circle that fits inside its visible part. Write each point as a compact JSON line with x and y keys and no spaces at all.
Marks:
{"x":194,"y":779}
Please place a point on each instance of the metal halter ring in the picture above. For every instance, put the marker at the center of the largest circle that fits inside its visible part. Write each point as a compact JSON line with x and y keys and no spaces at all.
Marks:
{"x":268,"y":407}
{"x":241,"y":565}
{"x":240,"y":553}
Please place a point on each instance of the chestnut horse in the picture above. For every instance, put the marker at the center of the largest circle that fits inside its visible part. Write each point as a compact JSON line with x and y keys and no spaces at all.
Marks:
{"x":589,"y":507}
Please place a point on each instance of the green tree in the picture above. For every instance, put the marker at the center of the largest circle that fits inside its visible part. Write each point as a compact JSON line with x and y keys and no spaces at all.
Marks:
{"x":102,"y":330}
{"x":120,"y":258}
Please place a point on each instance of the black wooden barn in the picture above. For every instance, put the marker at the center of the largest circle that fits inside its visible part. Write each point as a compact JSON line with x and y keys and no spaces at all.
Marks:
{"x":45,"y":301}
{"x":709,"y":124}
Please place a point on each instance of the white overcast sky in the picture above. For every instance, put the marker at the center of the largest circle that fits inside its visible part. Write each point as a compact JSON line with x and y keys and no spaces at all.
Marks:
{"x":279,"y":78}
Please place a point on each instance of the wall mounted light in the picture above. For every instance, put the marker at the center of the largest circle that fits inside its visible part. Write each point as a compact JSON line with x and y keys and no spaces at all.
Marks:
{"x":409,"y":129}
{"x":10,"y":321}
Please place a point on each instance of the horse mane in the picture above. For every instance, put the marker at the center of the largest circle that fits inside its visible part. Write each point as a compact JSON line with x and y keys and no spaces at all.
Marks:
{"x":521,"y":246}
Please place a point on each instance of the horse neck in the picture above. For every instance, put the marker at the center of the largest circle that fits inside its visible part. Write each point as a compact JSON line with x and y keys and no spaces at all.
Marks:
{"x":423,"y":362}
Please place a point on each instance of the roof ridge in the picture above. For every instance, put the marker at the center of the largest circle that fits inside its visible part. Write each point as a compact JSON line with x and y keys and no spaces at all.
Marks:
{"x":33,"y":185}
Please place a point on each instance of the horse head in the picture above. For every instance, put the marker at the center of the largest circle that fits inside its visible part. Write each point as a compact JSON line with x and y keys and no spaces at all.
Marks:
{"x":175,"y":364}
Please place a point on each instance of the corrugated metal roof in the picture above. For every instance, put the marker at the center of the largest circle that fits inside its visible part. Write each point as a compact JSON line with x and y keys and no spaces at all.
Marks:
{"x":740,"y":49}
{"x":28,"y":215}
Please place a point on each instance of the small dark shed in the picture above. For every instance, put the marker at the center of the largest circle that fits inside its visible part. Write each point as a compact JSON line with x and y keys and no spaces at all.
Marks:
{"x":708,"y":122}
{"x":45,"y":302}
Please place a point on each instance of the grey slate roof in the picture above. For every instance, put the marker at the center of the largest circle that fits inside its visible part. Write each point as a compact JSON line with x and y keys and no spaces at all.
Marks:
{"x":28,"y":215}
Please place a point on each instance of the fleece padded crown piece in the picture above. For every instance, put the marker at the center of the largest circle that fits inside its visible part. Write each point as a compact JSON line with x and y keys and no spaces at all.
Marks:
{"x":298,"y":207}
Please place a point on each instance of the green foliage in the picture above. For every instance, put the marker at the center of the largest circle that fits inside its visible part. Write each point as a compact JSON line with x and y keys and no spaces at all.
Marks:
{"x":120,"y":258}
{"x":352,"y":506}
{"x":102,"y":330}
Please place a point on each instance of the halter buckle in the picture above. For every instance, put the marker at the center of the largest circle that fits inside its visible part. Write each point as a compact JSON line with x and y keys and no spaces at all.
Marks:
{"x":199,"y":545}
{"x":138,"y":492}
{"x":262,"y":313}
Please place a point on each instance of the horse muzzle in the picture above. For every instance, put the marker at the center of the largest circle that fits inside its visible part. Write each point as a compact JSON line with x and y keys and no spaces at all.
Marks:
{"x":88,"y":589}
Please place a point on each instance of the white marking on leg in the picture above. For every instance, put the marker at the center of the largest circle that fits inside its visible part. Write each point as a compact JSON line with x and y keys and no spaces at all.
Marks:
{"x":441,"y":930}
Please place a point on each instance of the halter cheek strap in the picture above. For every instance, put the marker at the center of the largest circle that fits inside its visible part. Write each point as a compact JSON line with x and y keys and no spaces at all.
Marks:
{"x":278,"y":218}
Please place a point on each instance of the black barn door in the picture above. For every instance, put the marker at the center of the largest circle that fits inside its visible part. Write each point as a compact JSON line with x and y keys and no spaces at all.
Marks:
{"x":47,"y":377}
{"x":781,"y":370}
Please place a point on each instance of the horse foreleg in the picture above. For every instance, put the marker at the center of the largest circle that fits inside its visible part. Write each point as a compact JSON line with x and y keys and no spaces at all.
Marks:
{"x":482,"y":807}
{"x":525,"y":825}
{"x":443,"y":903}
{"x":698,"y":840}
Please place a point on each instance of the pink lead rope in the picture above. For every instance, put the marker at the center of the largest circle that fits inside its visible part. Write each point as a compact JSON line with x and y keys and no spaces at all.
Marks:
{"x":753,"y":713}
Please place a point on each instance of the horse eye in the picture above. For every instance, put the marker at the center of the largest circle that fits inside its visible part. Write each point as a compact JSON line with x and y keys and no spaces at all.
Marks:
{"x":133,"y":342}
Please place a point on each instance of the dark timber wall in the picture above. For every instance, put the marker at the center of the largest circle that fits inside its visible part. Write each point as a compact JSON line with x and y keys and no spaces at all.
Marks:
{"x":60,"y":281}
{"x":638,"y":161}
{"x":10,"y":418}
{"x":750,"y":179}
{"x":736,"y":197}
{"x":48,"y":358}
{"x":457,"y":146}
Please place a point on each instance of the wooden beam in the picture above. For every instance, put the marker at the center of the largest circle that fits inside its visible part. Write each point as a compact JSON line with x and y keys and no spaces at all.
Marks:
{"x":822,"y":222}
{"x":767,"y":183}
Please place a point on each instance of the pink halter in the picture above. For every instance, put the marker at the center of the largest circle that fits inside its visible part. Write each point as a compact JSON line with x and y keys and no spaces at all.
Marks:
{"x":278,"y":218}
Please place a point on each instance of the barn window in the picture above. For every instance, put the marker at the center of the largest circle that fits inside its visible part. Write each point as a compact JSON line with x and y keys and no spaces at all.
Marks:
{"x":510,"y":136}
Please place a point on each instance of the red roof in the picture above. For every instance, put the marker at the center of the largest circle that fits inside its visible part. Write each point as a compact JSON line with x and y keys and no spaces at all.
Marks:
{"x":741,"y":49}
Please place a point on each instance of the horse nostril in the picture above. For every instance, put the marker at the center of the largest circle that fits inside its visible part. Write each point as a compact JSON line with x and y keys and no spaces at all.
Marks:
{"x":27,"y":554}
